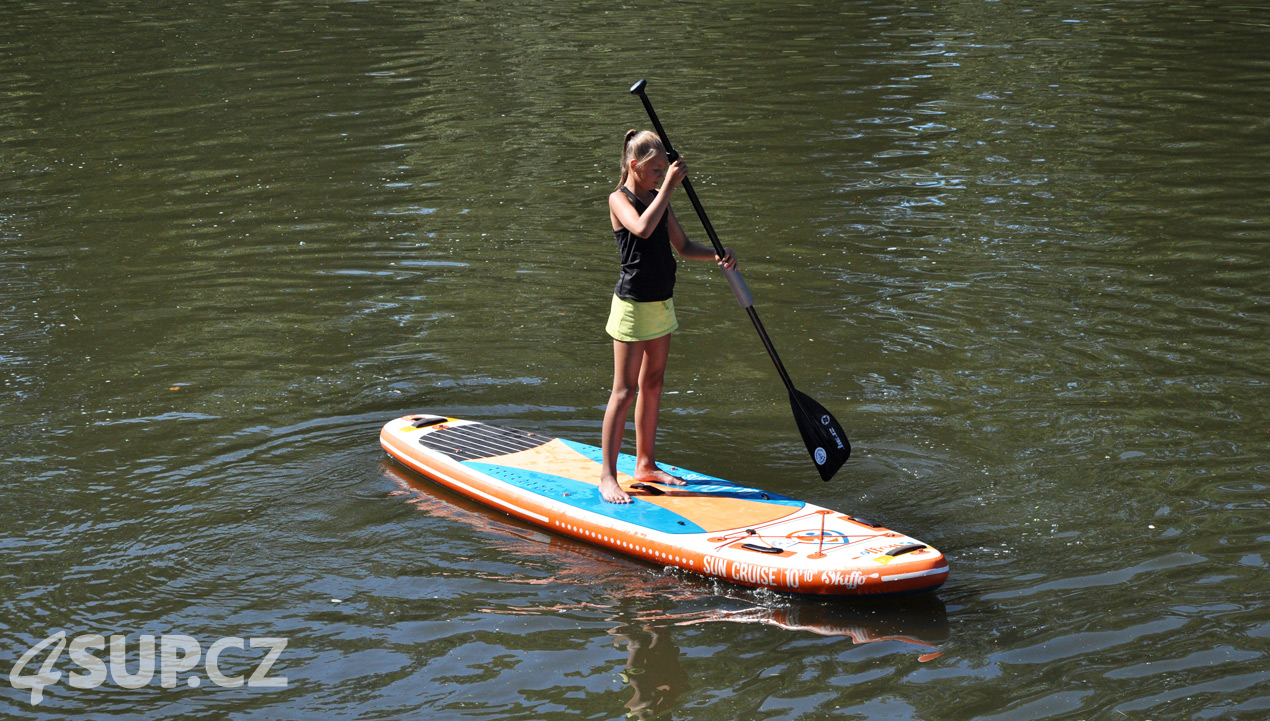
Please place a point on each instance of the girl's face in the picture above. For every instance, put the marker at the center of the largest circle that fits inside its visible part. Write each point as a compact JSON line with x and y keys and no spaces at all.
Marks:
{"x":652,"y":172}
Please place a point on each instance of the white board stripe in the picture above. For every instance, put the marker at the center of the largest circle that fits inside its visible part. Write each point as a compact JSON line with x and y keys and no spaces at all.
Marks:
{"x":916,"y":574}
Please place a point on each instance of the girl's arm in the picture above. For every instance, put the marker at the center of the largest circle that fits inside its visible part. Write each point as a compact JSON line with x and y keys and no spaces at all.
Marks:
{"x":691,"y":250}
{"x":641,"y":225}
{"x":644,"y":225}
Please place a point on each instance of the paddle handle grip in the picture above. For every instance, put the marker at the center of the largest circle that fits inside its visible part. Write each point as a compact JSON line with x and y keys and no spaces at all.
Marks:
{"x":739,"y":288}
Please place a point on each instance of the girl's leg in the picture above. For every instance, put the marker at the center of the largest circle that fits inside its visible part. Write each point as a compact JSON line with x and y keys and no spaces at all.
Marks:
{"x":652,"y":377}
{"x":627,"y":359}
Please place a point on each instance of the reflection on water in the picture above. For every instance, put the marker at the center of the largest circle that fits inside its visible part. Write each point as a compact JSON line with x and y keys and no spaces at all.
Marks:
{"x":653,"y":671}
{"x":650,"y":606}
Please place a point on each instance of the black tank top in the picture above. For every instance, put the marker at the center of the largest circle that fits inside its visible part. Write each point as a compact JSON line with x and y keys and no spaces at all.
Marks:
{"x":648,"y":264}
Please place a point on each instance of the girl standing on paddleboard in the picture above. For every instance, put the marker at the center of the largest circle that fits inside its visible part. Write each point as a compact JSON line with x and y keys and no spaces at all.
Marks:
{"x":642,"y":314}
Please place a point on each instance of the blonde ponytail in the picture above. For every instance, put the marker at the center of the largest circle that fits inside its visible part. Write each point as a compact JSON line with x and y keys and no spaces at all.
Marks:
{"x":640,"y":146}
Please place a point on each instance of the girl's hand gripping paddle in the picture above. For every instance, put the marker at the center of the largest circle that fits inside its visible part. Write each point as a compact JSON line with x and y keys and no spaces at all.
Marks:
{"x":826,"y":441}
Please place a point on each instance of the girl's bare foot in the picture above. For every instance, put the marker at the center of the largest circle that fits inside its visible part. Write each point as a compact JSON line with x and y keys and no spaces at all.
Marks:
{"x":657,"y":475}
{"x":612,"y":492}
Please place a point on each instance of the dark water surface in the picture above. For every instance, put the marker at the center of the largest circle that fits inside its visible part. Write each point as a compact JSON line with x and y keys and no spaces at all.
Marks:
{"x":1021,"y":250}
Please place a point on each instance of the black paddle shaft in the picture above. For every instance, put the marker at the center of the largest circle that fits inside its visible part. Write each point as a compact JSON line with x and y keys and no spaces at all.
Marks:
{"x":824,"y":437}
{"x":638,"y":89}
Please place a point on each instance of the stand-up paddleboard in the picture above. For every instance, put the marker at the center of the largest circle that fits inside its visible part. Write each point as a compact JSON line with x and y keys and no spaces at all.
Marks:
{"x":709,"y":526}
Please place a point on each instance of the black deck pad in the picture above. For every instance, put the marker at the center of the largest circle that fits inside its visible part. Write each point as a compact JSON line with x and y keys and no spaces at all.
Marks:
{"x":479,"y":440}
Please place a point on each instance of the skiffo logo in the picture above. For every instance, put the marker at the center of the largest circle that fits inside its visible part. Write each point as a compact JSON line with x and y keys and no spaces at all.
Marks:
{"x":176,"y":655}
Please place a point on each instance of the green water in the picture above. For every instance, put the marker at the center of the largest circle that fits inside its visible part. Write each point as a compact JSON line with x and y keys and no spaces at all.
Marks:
{"x":1019,"y":249}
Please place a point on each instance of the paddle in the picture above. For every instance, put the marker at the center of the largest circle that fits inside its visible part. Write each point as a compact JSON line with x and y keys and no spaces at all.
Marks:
{"x":826,"y":441}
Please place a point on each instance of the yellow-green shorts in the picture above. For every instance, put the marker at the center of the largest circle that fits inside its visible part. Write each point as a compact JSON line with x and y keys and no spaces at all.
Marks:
{"x":632,"y":321}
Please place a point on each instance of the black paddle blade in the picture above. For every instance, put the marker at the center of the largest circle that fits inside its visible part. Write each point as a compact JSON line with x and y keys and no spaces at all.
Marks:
{"x":826,"y":441}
